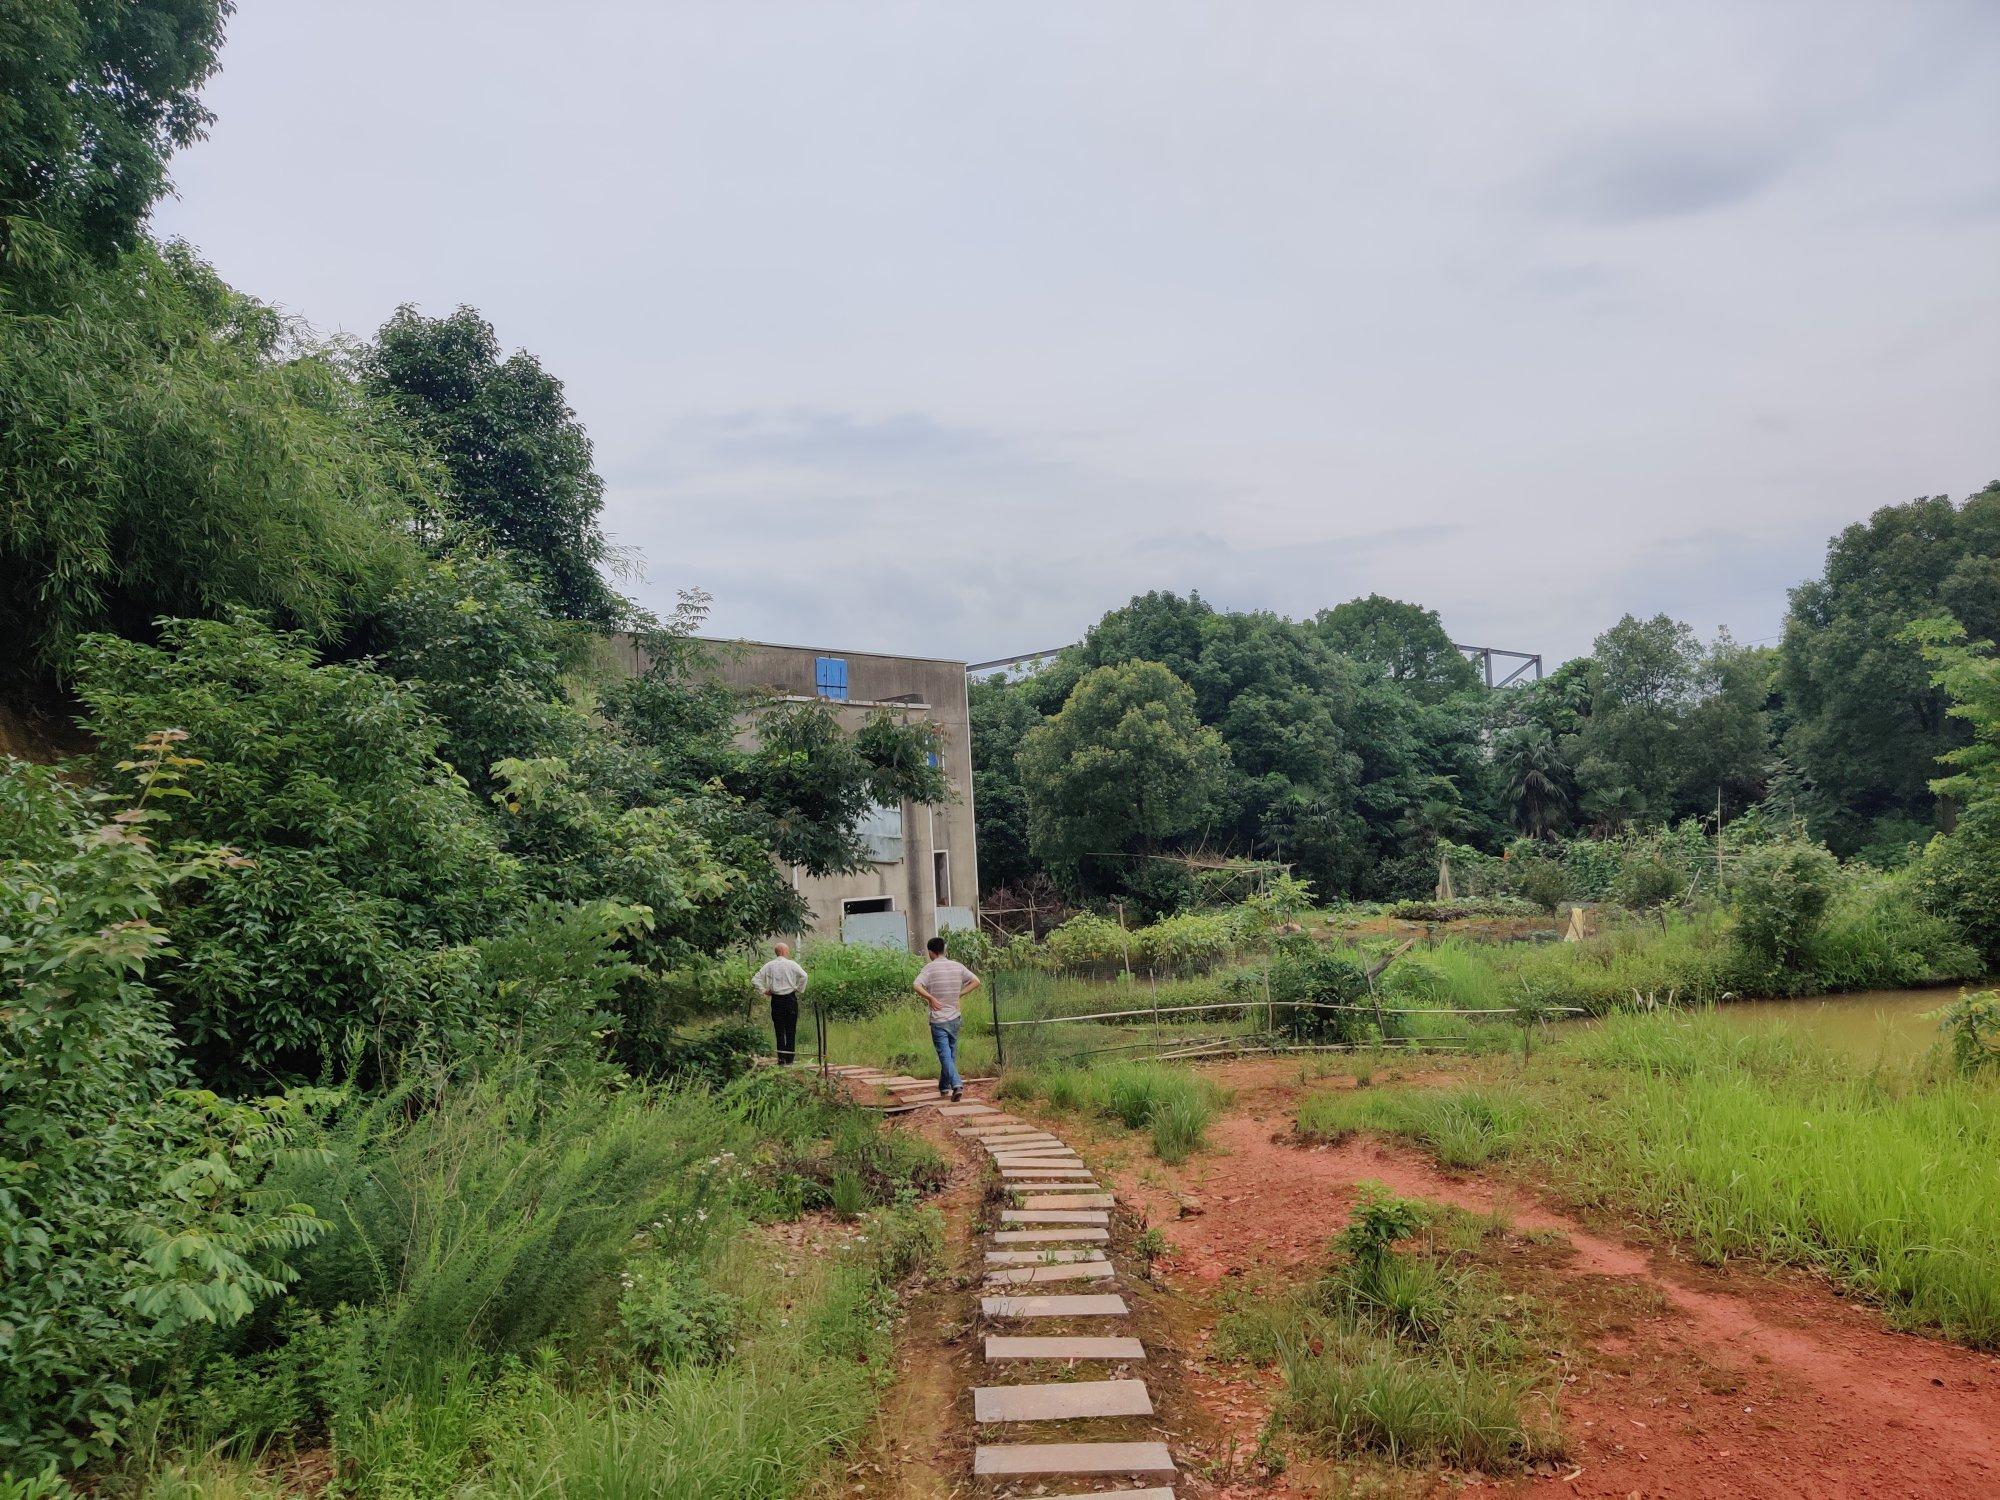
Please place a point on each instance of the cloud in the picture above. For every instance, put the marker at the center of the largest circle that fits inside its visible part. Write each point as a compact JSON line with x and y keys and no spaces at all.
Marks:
{"x":1640,"y":178}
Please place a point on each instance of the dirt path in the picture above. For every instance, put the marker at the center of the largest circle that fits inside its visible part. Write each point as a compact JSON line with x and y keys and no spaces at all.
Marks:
{"x":1684,"y":1381}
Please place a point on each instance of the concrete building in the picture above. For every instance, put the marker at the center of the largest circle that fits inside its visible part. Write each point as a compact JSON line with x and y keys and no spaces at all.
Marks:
{"x":923,"y":871}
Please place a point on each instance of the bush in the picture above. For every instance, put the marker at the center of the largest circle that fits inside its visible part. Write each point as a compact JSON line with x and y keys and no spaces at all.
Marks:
{"x":1088,"y":941}
{"x":1185,"y":943}
{"x":1648,"y":881}
{"x":1970,"y":1028}
{"x":711,"y":1056}
{"x":669,"y":1316}
{"x":1303,"y":971}
{"x":362,"y":851}
{"x":131,"y":1207}
{"x":1958,"y":878}
{"x":1781,"y":892}
{"x":852,"y":981}
{"x":1541,"y":881}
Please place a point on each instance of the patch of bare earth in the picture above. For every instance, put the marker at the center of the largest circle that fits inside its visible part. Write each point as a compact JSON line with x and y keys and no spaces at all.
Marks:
{"x":1675,"y":1379}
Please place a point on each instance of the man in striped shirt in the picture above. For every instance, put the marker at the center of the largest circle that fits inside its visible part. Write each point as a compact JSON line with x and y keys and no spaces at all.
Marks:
{"x":943,"y":982}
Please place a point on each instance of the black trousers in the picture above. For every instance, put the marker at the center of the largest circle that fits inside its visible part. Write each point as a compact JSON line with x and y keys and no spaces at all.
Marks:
{"x":785,"y":1022}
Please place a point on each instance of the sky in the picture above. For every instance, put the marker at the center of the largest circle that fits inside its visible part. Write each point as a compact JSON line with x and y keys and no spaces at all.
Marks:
{"x":942,"y":328}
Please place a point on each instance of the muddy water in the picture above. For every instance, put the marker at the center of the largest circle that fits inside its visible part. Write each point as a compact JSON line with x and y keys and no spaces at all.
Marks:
{"x":1887,"y":1026}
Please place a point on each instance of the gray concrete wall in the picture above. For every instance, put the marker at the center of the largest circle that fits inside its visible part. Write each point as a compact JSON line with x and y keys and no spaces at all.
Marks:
{"x":912,"y":689}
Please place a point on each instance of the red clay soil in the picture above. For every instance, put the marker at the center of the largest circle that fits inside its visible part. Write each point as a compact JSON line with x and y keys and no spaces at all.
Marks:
{"x":1732,"y":1382}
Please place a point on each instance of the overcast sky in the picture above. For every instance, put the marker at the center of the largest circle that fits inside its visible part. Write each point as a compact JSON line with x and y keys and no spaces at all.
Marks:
{"x":942,"y":328}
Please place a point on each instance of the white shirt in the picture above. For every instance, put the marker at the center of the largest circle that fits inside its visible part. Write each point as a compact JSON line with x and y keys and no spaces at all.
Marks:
{"x":945,"y":979}
{"x":781,"y":977}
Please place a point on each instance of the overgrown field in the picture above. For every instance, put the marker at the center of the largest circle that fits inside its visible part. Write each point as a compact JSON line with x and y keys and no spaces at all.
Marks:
{"x":1761,"y":1144}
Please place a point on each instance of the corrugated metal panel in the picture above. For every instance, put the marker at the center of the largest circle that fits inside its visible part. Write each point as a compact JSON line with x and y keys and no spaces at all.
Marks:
{"x":881,"y":829}
{"x":956,"y":919}
{"x":883,"y":929}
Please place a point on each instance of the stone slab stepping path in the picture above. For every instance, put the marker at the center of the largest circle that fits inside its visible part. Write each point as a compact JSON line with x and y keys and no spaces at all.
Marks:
{"x":1054,"y":1216}
{"x":1109,"y":1305}
{"x":1061,"y":1401}
{"x":1044,"y":1257}
{"x":1092,"y":1270}
{"x":994,"y":1460}
{"x":1050,"y":1236}
{"x":1078,"y":1346}
{"x":1054,"y":1230}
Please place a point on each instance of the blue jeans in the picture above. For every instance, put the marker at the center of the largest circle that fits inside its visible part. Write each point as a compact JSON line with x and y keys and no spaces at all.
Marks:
{"x":944,"y":1037}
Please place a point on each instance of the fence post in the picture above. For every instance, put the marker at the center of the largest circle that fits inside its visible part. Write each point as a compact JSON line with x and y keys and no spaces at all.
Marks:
{"x":993,"y":996}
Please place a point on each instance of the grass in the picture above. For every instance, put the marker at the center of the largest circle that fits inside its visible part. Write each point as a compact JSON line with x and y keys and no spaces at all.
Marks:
{"x":1759,"y":1143}
{"x":537,"y":1290}
{"x":1410,"y":1354}
{"x":1174,"y":1103}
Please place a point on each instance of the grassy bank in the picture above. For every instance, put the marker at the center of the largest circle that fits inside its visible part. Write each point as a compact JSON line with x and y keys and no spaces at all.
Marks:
{"x":532,"y":1291}
{"x":1743,"y":1144}
{"x":1412,"y":1353}
{"x":1174,"y":1105}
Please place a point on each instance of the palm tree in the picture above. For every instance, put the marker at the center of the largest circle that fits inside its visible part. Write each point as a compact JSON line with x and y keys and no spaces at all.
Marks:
{"x":1536,"y":778}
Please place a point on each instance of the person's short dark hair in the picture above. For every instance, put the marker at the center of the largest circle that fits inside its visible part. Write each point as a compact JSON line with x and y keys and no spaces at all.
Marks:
{"x":935,"y":946}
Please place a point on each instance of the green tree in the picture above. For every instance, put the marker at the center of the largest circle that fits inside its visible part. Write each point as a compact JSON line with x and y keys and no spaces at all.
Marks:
{"x":1958,"y":875}
{"x":94,"y":96}
{"x":1123,"y":767}
{"x":1867,"y":721}
{"x":519,"y":460}
{"x":1001,"y":718}
{"x":1404,"y":642}
{"x":1535,"y":780}
{"x":170,"y":446}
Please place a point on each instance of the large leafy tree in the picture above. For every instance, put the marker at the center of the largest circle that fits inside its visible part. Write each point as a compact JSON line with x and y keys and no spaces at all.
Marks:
{"x":519,"y":461}
{"x":1125,"y":766}
{"x":1404,"y":642}
{"x":94,"y":96}
{"x":169,"y":446}
{"x":1671,"y":724}
{"x":1867,"y":723}
{"x":1535,"y":781}
{"x":1001,"y":717}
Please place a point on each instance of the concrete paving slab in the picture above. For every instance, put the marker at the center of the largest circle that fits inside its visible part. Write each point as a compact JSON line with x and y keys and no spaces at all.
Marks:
{"x":1159,"y":1493}
{"x":1067,"y":1200}
{"x":1019,"y":1139}
{"x":1061,"y":1400}
{"x":1020,"y":1186}
{"x":1053,"y":1216}
{"x":1018,"y":1160}
{"x":956,"y":1111}
{"x":1047,"y":1255}
{"x":1090,"y":1270}
{"x":1101,"y":1305}
{"x":1075,"y":1346}
{"x":1029,"y":1174}
{"x":996,"y":1460}
{"x":1050,"y":1236}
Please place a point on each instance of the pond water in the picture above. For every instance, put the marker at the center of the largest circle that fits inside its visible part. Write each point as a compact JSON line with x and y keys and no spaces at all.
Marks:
{"x":1872,"y":1026}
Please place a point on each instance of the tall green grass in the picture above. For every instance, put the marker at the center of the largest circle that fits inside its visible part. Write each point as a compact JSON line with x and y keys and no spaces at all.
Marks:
{"x":1747,"y":1143}
{"x":1174,"y":1103}
{"x":1401,"y":1353}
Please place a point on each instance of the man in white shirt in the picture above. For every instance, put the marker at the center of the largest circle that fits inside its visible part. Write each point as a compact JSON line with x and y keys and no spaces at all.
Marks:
{"x":783,"y":981}
{"x":943,"y":982}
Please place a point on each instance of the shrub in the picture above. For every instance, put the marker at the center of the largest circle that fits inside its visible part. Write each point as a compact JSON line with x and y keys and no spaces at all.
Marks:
{"x":851,"y":981}
{"x":1647,"y":881}
{"x":670,"y":1316}
{"x":1301,"y":970}
{"x":363,"y":852}
{"x":1088,"y":941}
{"x":1541,"y":881}
{"x":1970,"y":1028}
{"x":1781,"y":892}
{"x":1189,"y":941}
{"x":710,"y":1055}
{"x":1958,"y":878}
{"x":131,"y":1207}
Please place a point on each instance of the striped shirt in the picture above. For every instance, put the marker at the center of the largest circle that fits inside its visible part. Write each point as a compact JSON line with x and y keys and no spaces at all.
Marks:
{"x":945,"y":979}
